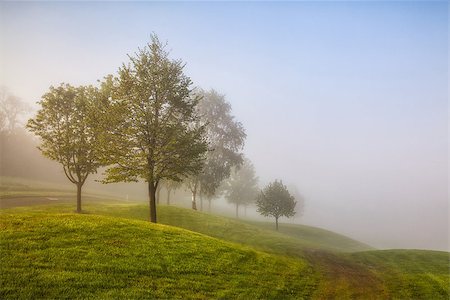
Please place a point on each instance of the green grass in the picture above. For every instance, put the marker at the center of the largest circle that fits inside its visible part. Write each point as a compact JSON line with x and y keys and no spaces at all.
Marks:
{"x":13,"y":187}
{"x":79,"y":256}
{"x":320,"y":238}
{"x":410,"y":274}
{"x":328,"y":265}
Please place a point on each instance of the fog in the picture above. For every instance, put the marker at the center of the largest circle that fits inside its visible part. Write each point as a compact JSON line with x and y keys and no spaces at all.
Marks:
{"x":347,"y":101}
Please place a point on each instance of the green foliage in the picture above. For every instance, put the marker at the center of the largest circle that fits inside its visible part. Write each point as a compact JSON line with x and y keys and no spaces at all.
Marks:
{"x":275,"y":200}
{"x":152,"y":133}
{"x":242,"y":186}
{"x":67,"y":126}
{"x":226,"y":138}
{"x":153,"y":137}
{"x":69,"y":256}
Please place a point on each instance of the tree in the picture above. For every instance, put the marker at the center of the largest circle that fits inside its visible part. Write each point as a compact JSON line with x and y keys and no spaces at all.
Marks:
{"x":11,"y":108}
{"x":274,"y":200}
{"x":66,"y":124}
{"x":226,"y":138}
{"x":171,"y":186}
{"x":154,"y":133}
{"x":242,"y":186}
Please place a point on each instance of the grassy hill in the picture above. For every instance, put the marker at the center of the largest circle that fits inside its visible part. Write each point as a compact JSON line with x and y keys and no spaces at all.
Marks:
{"x":410,"y":274}
{"x":320,"y":238}
{"x":326,"y":264}
{"x":79,"y":256}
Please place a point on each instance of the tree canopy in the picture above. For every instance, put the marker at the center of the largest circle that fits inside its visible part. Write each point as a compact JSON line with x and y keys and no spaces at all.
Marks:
{"x":241,"y":188}
{"x":154,"y":135}
{"x":274,"y":200}
{"x":225,"y":137}
{"x":66,"y":124}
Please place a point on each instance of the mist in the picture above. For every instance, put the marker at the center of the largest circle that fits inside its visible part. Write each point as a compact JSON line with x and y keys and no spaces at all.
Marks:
{"x":346,"y":101}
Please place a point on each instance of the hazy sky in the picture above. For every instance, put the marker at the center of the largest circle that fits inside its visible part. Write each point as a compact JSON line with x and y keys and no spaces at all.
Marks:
{"x":346,"y":100}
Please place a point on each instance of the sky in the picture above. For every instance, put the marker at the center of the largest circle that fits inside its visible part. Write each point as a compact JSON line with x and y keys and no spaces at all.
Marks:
{"x":346,"y":100}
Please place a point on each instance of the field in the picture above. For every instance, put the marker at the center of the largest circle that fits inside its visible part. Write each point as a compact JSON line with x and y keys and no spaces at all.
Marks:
{"x":112,"y":251}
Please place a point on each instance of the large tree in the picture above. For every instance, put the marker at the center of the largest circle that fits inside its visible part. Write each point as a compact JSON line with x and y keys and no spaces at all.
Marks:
{"x":274,"y":200}
{"x":242,"y":186}
{"x":226,"y":138}
{"x":67,"y":126}
{"x":154,"y":134}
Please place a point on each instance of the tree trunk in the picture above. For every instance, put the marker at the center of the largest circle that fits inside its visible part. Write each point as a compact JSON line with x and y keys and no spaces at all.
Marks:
{"x":79,"y":185}
{"x":194,"y":204}
{"x":276,"y":222}
{"x":201,"y":202}
{"x":237,"y":210}
{"x":245,"y":210}
{"x":168,"y":196}
{"x":152,"y":201}
{"x":209,"y":204}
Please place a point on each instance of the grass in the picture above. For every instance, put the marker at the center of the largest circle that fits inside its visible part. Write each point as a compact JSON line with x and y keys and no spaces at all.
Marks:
{"x":87,"y":256}
{"x":320,"y":238}
{"x":13,"y":187}
{"x":17,"y":187}
{"x":410,"y":274}
{"x":112,"y":236}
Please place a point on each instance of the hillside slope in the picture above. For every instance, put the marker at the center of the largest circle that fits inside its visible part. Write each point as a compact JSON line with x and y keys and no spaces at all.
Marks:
{"x":410,"y":274}
{"x":333,"y":271}
{"x":256,"y":234}
{"x":79,"y":256}
{"x":321,"y":238}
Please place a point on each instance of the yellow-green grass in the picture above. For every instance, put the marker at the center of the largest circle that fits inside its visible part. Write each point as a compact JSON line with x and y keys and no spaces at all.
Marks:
{"x":333,"y":272}
{"x":14,"y":187}
{"x":410,"y":274}
{"x":51,"y":255}
{"x":253,"y":234}
{"x":321,"y":238}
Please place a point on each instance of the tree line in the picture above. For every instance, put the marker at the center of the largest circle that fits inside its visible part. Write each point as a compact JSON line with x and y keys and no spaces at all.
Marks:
{"x":148,"y":122}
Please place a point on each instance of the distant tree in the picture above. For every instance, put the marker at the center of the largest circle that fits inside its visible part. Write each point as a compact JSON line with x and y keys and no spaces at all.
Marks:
{"x":11,"y":108}
{"x":242,"y":186}
{"x":171,"y":186}
{"x":225,"y":137}
{"x":155,"y":136}
{"x":274,"y":200}
{"x":67,"y":126}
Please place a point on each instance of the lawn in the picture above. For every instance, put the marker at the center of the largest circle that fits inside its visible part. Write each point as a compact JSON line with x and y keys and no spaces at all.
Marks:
{"x":88,"y":256}
{"x":113,"y":251}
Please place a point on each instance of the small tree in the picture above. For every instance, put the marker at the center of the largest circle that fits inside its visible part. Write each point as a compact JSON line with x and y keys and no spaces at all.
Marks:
{"x":66,"y":124}
{"x":155,"y":137}
{"x":242,"y":186}
{"x":275,"y":200}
